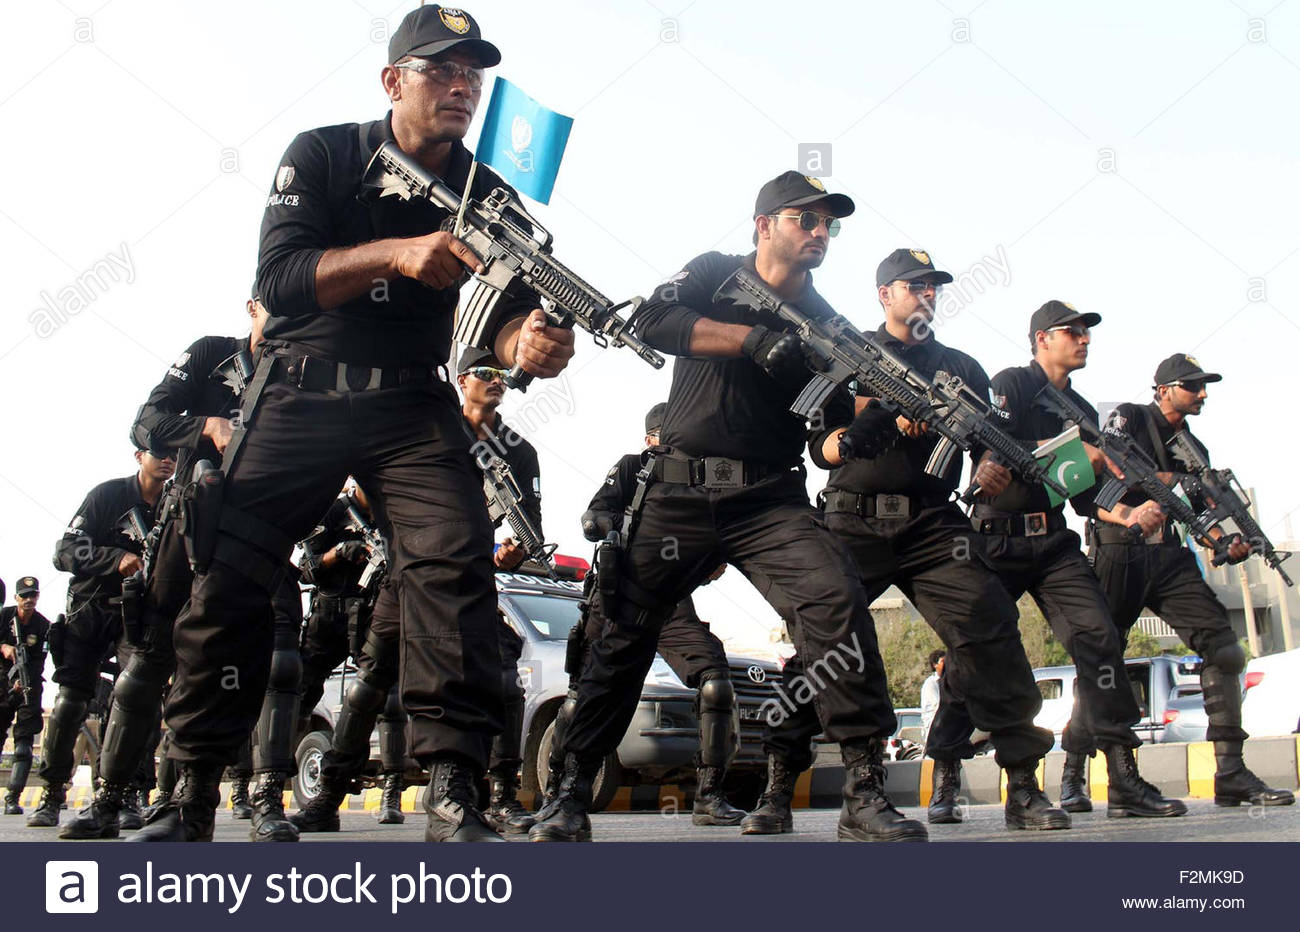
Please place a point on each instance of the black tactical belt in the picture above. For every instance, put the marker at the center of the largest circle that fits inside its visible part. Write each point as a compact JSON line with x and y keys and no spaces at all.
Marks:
{"x":711,"y":472}
{"x":311,"y":373}
{"x":1033,"y":524}
{"x":883,"y":505}
{"x":1114,"y":534}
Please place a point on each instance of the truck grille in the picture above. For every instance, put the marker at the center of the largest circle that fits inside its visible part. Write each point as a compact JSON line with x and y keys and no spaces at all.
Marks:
{"x":750,"y":699}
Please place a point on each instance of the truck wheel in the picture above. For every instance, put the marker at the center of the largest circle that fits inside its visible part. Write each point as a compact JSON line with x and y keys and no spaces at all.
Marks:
{"x":311,"y":759}
{"x":608,"y":778}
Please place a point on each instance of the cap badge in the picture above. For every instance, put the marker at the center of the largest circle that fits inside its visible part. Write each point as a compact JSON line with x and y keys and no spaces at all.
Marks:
{"x":920,"y":255}
{"x":1069,"y":305}
{"x":815,"y":182}
{"x":284,"y":177}
{"x":455,"y":20}
{"x":1193,"y":360}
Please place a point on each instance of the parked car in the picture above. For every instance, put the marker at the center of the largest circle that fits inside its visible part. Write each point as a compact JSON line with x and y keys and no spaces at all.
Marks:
{"x":1167,"y":690}
{"x":1272,"y":703}
{"x":905,"y":743}
{"x":660,"y":743}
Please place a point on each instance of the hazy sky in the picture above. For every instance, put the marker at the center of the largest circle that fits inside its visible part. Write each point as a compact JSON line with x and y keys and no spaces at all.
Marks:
{"x":1136,"y":160}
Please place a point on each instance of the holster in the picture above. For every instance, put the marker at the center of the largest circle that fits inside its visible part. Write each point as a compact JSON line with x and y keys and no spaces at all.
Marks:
{"x":608,"y":552}
{"x":358,"y":614}
{"x":131,"y":602}
{"x":58,"y":631}
{"x":576,"y":646}
{"x":201,"y":514}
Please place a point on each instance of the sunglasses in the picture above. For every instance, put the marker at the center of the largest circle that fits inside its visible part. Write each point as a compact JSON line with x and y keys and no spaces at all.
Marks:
{"x":163,"y":454}
{"x":1078,"y":331}
{"x":810,"y":220}
{"x":921,"y":287}
{"x":445,"y":72}
{"x":487,"y":373}
{"x":1190,"y":385}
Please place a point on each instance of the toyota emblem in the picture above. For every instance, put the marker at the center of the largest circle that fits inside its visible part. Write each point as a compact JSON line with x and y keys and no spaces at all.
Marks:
{"x":756,"y":674}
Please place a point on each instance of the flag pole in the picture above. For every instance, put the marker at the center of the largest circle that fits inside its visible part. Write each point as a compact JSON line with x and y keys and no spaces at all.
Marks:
{"x":464,"y":198}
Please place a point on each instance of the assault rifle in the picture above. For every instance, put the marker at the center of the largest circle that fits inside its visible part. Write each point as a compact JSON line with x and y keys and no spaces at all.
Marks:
{"x":505,"y":500}
{"x":20,"y":658}
{"x":137,"y":526}
{"x":372,"y":577}
{"x":1140,"y":472}
{"x":1225,"y":499}
{"x":236,"y":370}
{"x":844,"y":353}
{"x":514,"y":257}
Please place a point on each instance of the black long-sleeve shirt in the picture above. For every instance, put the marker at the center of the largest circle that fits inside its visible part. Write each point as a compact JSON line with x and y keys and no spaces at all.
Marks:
{"x":1030,"y":423}
{"x":1135,"y":420}
{"x":521,"y":457}
{"x":95,"y":542}
{"x":313,"y":206}
{"x":616,"y":491}
{"x":173,"y":416}
{"x":35,"y":634}
{"x":340,"y":578}
{"x":901,"y":468}
{"x":717,"y":406}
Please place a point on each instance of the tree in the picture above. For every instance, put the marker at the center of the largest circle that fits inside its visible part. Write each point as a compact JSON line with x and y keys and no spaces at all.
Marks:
{"x":1041,"y":646}
{"x":905,"y":643}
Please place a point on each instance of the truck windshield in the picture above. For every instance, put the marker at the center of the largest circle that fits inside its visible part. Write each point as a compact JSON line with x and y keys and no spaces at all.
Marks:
{"x":551,"y":616}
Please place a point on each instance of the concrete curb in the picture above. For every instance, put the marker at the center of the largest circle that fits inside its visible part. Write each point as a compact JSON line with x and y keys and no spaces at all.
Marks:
{"x":1180,"y":770}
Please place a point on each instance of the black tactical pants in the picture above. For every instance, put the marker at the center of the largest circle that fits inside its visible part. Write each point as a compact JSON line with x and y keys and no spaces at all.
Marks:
{"x":325,"y":645}
{"x":938,"y":562}
{"x":1053,"y":570}
{"x":770,"y":532}
{"x":25,"y":717}
{"x":1166,"y":579}
{"x":409,"y":448}
{"x":506,"y":756}
{"x":132,"y":731}
{"x":690,"y":648}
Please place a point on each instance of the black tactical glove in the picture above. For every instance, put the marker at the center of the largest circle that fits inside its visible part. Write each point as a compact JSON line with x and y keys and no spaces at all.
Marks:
{"x":776,"y":353}
{"x":352,"y":551}
{"x":1227,"y":542}
{"x":871,"y":433}
{"x":596,"y":524}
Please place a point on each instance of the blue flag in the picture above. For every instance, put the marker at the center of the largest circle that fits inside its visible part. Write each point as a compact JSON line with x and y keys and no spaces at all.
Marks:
{"x":523,"y":140}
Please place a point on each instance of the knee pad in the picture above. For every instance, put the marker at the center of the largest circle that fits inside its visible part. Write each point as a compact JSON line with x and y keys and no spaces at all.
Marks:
{"x":139,"y":689}
{"x":366,"y":696}
{"x":716,"y":692}
{"x":1229,"y":658}
{"x":286,"y":671}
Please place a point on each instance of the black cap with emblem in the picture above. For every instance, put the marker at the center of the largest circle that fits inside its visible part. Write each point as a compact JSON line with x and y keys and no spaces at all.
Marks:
{"x":791,"y":189}
{"x":27,"y":585}
{"x":1057,"y":313}
{"x":905,"y":265}
{"x":1183,"y":368}
{"x":654,"y":419}
{"x":432,"y":30}
{"x":475,"y":356}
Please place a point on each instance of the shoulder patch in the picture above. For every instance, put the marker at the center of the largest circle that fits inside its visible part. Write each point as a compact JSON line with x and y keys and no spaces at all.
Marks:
{"x":284,"y":177}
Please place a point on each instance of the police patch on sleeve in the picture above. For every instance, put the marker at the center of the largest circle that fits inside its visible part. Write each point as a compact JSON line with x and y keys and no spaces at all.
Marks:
{"x":283,"y":179}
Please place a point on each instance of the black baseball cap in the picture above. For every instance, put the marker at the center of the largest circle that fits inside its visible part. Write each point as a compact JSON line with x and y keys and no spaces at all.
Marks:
{"x":431,"y":30}
{"x":791,"y":189}
{"x":476,"y":356}
{"x":907,"y":265}
{"x":1057,"y":313}
{"x":1183,"y":368}
{"x":27,"y":585}
{"x":654,"y":419}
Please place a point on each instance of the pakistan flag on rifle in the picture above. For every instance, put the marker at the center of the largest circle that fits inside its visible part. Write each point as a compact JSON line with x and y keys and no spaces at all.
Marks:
{"x":1067,"y":461}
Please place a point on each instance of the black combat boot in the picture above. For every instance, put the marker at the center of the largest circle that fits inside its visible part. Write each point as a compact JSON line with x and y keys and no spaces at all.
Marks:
{"x":11,"y":804}
{"x":22,"y":767}
{"x":192,"y":812}
{"x":269,"y":822}
{"x":322,"y":813}
{"x":1074,"y":783}
{"x":46,"y":814}
{"x":773,"y":816}
{"x":1129,"y":794}
{"x":945,"y":788}
{"x":390,"y":802}
{"x":451,"y":803}
{"x":130,"y":817}
{"x":1234,"y":784}
{"x":711,"y":807}
{"x":568,"y":819}
{"x":867,"y":814}
{"x":162,"y":799}
{"x":239,"y":806}
{"x":1028,"y":806}
{"x":551,"y":793}
{"x":102,"y":818}
{"x":504,"y":811}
